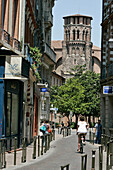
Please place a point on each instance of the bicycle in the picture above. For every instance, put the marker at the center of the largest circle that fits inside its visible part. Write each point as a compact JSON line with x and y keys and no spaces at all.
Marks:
{"x":81,"y":142}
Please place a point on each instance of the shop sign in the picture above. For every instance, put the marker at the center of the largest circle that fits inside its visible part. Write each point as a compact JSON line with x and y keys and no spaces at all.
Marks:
{"x":107,"y":89}
{"x":16,"y":67}
{"x":43,"y":89}
{"x":13,"y":67}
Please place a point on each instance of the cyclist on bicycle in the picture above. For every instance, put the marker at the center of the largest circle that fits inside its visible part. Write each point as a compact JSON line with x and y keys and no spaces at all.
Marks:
{"x":81,"y":130}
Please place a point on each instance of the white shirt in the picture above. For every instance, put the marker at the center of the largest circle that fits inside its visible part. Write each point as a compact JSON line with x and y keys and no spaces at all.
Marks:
{"x":82,"y":127}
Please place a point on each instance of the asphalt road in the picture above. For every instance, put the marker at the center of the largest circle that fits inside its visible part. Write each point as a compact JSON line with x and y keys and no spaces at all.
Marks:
{"x":63,"y":152}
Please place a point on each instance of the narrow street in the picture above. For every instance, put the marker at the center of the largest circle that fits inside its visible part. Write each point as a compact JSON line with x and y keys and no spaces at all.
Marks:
{"x":63,"y":151}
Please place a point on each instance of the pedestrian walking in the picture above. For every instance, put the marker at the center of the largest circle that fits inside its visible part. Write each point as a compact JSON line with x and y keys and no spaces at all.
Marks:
{"x":81,"y":130}
{"x":98,"y":131}
{"x":62,"y":127}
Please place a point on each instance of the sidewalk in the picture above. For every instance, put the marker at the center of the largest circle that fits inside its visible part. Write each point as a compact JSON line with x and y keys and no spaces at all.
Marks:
{"x":63,"y":151}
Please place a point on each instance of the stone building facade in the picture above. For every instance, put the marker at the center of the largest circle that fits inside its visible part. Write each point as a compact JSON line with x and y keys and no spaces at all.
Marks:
{"x":107,"y":67}
{"x":76,"y":48}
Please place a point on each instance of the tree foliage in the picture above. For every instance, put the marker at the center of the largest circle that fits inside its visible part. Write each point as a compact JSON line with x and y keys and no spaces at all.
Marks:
{"x":80,"y":94}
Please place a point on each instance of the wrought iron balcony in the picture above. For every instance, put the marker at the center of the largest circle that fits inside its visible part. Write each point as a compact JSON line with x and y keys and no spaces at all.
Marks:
{"x":13,"y":42}
{"x":108,"y":9}
{"x":50,"y":52}
{"x":103,"y":73}
{"x":48,"y":19}
{"x":110,"y":69}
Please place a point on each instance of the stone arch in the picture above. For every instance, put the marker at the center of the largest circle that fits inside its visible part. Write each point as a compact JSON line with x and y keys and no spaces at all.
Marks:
{"x":77,"y":52}
{"x":96,"y":64}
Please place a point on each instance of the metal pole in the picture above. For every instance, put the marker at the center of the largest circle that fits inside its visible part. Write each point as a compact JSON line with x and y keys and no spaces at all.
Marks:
{"x":100,"y":157}
{"x":15,"y":150}
{"x":93,"y":160}
{"x":34,"y":148}
{"x":38,"y":146}
{"x":42,"y":147}
{"x":84,"y":162}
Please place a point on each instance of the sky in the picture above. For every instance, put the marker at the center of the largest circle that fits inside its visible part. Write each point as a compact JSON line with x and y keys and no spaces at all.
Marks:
{"x":91,"y":8}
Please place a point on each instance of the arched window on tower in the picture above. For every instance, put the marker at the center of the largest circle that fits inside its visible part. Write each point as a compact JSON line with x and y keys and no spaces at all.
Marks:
{"x":66,"y":35}
{"x":83,"y":35}
{"x":77,"y":52}
{"x":86,"y":35}
{"x":78,"y":34}
{"x":73,"y":50}
{"x":73,"y":34}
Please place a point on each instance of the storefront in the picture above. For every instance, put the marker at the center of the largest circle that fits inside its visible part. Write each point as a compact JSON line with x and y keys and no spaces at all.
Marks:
{"x":13,"y":111}
{"x":14,"y":71}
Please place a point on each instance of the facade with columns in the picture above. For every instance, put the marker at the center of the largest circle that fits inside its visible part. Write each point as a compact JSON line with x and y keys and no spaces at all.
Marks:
{"x":76,"y":48}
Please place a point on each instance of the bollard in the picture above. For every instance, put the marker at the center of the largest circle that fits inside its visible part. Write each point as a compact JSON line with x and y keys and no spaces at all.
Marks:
{"x":84,"y":162}
{"x":90,"y":136}
{"x":93,"y":137}
{"x":49,"y":141}
{"x":15,"y":146}
{"x":34,"y":148}
{"x":66,"y":166}
{"x":100,"y":157}
{"x":45,"y":150}
{"x":63,"y":132}
{"x":38,"y":146}
{"x":107,"y":161}
{"x":111,"y":153}
{"x":53,"y":134}
{"x":42,"y":145}
{"x":93,"y":160}
{"x":23,"y":159}
{"x":58,"y":130}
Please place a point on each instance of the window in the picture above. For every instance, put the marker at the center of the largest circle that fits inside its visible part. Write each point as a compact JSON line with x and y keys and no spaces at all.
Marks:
{"x":78,"y":34}
{"x":83,"y":35}
{"x":73,"y":34}
{"x":69,"y":35}
{"x":74,"y":20}
{"x":86,"y":35}
{"x":77,"y":20}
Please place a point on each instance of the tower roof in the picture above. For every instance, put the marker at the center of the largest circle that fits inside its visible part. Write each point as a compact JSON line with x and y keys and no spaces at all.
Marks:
{"x":77,"y":15}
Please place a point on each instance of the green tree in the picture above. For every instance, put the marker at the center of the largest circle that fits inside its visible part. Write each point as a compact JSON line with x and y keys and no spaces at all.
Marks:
{"x":68,"y":97}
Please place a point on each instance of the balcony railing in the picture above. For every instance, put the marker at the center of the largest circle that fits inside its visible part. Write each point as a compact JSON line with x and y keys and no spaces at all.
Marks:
{"x":110,"y":69}
{"x":13,"y":42}
{"x":48,"y":18}
{"x":50,"y":52}
{"x":108,"y":10}
{"x":103,"y":74}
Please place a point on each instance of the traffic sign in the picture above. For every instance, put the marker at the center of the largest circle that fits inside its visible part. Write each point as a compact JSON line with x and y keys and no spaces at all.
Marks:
{"x":43,"y":89}
{"x":107,"y":89}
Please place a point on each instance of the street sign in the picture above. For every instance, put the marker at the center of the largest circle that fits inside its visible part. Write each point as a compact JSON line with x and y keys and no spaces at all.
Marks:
{"x":43,"y":89}
{"x":55,"y":109}
{"x":107,"y":89}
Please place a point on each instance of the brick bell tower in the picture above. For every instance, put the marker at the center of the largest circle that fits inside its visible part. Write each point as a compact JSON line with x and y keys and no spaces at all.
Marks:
{"x":77,"y":45}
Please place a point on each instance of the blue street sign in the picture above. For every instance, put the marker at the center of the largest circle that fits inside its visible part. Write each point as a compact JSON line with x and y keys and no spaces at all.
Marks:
{"x":56,"y":109}
{"x":43,"y":89}
{"x":107,"y":89}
